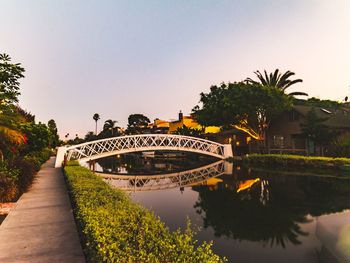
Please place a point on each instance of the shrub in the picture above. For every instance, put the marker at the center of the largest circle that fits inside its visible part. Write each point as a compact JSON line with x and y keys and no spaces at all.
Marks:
{"x":16,"y":176}
{"x":27,"y":168}
{"x":294,"y":161}
{"x":8,"y":189}
{"x":114,"y":229}
{"x":6,"y":170}
{"x":340,"y":146}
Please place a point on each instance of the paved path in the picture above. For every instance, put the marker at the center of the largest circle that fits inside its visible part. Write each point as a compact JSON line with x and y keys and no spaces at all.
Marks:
{"x":41,"y":227}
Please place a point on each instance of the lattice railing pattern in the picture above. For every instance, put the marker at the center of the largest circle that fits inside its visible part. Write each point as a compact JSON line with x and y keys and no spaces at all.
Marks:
{"x":143,"y":142}
{"x":165,"y":181}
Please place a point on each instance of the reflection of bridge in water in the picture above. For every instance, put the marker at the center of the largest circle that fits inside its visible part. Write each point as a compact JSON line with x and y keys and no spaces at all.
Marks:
{"x":166,"y":181}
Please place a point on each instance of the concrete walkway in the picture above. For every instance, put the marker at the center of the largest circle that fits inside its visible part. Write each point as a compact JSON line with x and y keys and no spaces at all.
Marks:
{"x":41,"y":227}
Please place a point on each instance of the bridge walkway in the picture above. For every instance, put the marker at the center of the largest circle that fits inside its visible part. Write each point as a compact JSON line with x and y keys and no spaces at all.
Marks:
{"x":41,"y":227}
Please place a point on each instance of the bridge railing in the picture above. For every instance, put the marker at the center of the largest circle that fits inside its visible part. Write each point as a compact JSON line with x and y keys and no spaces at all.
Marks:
{"x":143,"y":142}
{"x":165,"y":181}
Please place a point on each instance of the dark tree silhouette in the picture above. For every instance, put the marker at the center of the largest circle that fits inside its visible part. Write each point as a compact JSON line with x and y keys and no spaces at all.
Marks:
{"x":96,"y":117}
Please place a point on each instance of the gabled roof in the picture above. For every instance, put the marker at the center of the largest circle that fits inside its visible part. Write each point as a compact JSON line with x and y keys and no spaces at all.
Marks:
{"x":335,"y":118}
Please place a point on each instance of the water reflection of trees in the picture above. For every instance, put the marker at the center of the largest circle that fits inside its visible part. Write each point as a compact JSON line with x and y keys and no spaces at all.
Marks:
{"x":161,"y":162}
{"x":272,"y":210}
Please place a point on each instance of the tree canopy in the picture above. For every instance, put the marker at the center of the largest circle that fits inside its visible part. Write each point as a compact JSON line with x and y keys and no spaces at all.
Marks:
{"x":10,"y":74}
{"x":10,"y":116}
{"x":314,"y":129}
{"x":136,"y":123}
{"x":109,"y":129}
{"x":55,"y":140}
{"x":247,"y":107}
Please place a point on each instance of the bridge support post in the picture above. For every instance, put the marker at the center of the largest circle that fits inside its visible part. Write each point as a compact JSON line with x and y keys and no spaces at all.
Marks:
{"x":61,"y":152}
{"x":228,"y":168}
{"x":228,"y":151}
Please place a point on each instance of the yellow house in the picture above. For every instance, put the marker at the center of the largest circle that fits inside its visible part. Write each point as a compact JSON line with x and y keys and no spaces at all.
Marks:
{"x":161,"y":124}
{"x":189,"y":122}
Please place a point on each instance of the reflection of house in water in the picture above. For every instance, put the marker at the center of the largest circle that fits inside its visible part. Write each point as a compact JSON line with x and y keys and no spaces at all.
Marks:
{"x":230,"y":182}
{"x":244,"y":185}
{"x":211,"y":183}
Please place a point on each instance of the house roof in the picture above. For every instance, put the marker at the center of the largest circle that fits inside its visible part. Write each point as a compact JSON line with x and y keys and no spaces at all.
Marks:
{"x":335,"y":118}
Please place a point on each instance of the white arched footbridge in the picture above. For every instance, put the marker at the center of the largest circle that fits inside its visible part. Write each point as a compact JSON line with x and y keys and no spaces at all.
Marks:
{"x":140,"y":143}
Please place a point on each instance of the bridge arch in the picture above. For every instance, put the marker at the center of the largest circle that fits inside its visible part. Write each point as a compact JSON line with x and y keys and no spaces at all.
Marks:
{"x":140,"y":143}
{"x":196,"y":176}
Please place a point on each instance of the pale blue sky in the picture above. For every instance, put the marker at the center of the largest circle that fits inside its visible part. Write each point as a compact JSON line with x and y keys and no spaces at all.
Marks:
{"x":155,"y":57}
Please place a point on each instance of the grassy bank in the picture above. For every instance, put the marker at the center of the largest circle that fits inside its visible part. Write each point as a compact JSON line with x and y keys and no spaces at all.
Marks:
{"x":292,"y":162}
{"x":114,"y":229}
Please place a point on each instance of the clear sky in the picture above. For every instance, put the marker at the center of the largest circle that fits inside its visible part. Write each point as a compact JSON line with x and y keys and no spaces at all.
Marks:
{"x":116,"y":58}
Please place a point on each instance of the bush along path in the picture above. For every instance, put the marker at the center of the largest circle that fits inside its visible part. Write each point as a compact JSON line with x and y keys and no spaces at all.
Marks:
{"x":17,"y":175}
{"x":41,"y":227}
{"x":114,"y":229}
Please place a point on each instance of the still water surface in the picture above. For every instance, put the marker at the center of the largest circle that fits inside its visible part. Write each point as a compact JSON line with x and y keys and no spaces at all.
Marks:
{"x":253,"y":216}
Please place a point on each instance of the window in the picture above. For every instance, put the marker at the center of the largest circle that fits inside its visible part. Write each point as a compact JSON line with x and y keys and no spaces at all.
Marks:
{"x":278,"y":141}
{"x":293,"y":115}
{"x":298,"y":142}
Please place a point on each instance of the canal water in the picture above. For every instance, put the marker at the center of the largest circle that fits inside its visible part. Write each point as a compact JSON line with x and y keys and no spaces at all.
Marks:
{"x":251,"y":216}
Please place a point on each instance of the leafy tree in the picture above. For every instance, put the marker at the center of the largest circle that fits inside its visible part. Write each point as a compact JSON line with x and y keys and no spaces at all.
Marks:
{"x":340,"y":146}
{"x":136,"y":123}
{"x":276,"y":80}
{"x":38,"y":137}
{"x":96,"y":117}
{"x":10,"y":135}
{"x":26,"y":116}
{"x":10,"y":74}
{"x":315,"y":130}
{"x":109,"y":127}
{"x":55,"y":140}
{"x":109,"y":130}
{"x":247,"y":107}
{"x":9,"y":115}
{"x":90,"y":136}
{"x":184,"y":130}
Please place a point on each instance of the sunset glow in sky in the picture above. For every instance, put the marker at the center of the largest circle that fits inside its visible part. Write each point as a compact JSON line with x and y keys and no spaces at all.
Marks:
{"x":155,"y":57}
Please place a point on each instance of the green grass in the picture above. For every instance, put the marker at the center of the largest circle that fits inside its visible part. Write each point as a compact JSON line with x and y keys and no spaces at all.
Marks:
{"x":115,"y":229}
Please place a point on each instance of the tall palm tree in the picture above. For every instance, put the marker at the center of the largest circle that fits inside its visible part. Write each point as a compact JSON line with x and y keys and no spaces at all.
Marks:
{"x":277,"y":80}
{"x":109,"y":125}
{"x":96,"y":117}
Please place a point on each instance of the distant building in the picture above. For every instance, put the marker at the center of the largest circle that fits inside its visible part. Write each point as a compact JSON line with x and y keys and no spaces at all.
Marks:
{"x":161,"y":126}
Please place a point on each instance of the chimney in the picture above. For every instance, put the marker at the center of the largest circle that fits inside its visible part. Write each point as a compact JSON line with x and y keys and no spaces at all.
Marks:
{"x":181,"y":116}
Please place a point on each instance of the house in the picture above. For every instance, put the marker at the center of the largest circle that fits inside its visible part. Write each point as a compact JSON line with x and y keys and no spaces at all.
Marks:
{"x":285,"y":134}
{"x":161,"y":126}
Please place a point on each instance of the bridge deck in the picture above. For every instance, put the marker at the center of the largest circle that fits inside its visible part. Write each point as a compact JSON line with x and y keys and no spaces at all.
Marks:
{"x":41,"y":227}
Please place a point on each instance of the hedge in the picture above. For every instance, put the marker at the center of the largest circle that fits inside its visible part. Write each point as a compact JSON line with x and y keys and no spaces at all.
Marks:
{"x":115,"y":229}
{"x":294,"y":161}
